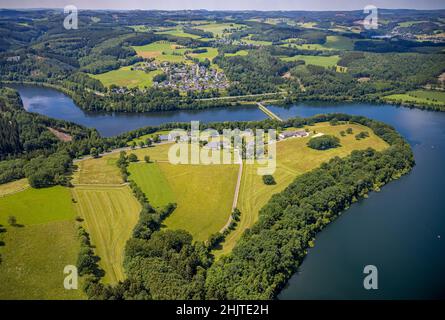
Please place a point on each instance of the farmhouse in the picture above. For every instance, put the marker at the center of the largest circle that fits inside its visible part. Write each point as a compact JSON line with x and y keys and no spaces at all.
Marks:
{"x":292,"y":134}
{"x":217,"y":145}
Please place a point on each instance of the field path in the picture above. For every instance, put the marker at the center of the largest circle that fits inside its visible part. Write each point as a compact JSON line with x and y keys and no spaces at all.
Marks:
{"x":236,"y":194}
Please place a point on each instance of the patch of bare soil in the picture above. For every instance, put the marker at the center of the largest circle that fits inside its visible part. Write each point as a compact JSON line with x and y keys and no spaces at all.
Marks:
{"x":62,"y":136}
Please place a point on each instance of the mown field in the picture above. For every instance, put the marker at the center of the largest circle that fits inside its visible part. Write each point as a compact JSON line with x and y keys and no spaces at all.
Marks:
{"x":218,"y":28}
{"x":238,"y":53}
{"x":13,"y":187}
{"x":98,"y":171}
{"x":436,"y":98}
{"x":210,"y":54}
{"x":322,"y":61}
{"x":110,"y":214}
{"x":36,"y":251}
{"x":126,"y":77}
{"x":293,"y":158}
{"x":203,"y":193}
{"x":149,"y":177}
{"x":178,"y":32}
{"x":109,"y":210}
{"x":332,"y":43}
{"x":162,"y":51}
{"x":37,"y":206}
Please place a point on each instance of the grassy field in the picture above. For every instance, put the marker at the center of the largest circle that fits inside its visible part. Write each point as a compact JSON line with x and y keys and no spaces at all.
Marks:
{"x":98,"y":171}
{"x":145,"y":137}
{"x":158,"y":153}
{"x":179,"y":32}
{"x":293,"y":158}
{"x":204,"y":195}
{"x":36,"y":251}
{"x":332,"y":43}
{"x":110,"y":214}
{"x":239,"y":53}
{"x":162,"y":51}
{"x":210,"y":54}
{"x":13,"y":187}
{"x":436,"y":98}
{"x":339,"y":43}
{"x":316,"y":60}
{"x":151,"y":180}
{"x":218,"y":28}
{"x":126,"y":77}
{"x":248,"y":40}
{"x":34,"y":258}
{"x":37,"y":206}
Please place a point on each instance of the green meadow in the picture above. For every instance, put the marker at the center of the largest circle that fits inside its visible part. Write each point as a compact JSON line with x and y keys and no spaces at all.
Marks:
{"x":126,"y":77}
{"x":429,"y":97}
{"x":322,"y":61}
{"x":151,"y":180}
{"x":178,"y":32}
{"x":37,"y":206}
{"x":162,"y":51}
{"x":44,"y":241}
{"x":238,"y":53}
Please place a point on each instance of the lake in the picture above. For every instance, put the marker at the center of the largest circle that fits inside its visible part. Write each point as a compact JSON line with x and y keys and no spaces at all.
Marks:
{"x":55,"y":104}
{"x":400,"y":230}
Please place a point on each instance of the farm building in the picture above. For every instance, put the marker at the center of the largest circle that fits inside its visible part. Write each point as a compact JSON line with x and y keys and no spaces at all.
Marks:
{"x":292,"y":134}
{"x":217,"y":145}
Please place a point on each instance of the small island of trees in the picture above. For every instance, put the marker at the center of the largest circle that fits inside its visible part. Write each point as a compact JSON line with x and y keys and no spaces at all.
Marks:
{"x":324,"y":142}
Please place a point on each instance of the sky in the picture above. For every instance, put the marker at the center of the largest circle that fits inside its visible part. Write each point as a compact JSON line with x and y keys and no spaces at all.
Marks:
{"x":227,"y":4}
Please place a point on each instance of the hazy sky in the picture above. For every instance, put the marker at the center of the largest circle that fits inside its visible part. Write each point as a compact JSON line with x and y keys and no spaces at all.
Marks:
{"x":226,"y":4}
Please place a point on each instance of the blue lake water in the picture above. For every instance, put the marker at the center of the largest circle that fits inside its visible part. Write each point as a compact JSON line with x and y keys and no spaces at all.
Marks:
{"x":55,"y":104}
{"x":400,"y":230}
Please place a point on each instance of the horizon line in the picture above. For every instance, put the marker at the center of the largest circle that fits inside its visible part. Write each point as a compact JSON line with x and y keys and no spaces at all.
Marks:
{"x":212,"y":10}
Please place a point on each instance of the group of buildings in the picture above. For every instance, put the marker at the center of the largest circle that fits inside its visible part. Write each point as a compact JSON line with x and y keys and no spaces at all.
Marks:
{"x":219,"y":145}
{"x":194,"y":77}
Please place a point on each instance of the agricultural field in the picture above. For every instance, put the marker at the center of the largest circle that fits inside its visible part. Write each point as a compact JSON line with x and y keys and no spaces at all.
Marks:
{"x":158,"y":153}
{"x":162,"y":51}
{"x":32,"y":263}
{"x":219,"y":29}
{"x":238,"y":53}
{"x":322,"y":61}
{"x":293,"y":158}
{"x":430,"y":97}
{"x":149,"y":177}
{"x":13,"y":187}
{"x":248,"y":40}
{"x":127,"y":77}
{"x":339,"y":43}
{"x":332,"y":43}
{"x":145,"y":137}
{"x":110,"y":214}
{"x":37,"y":206}
{"x":210,"y":54}
{"x":178,"y":32}
{"x":203,"y":194}
{"x":98,"y":171}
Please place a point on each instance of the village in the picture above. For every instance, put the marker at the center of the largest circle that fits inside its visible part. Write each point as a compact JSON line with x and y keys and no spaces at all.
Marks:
{"x":195,"y":77}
